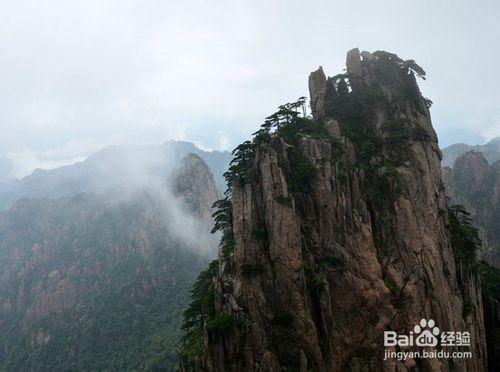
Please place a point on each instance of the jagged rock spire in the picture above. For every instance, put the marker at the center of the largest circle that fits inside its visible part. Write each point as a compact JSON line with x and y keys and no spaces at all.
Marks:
{"x":317,"y":92}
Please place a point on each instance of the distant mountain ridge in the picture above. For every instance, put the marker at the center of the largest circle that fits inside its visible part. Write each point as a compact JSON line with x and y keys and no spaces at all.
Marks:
{"x":99,"y":281}
{"x":490,"y":151}
{"x":134,"y":166}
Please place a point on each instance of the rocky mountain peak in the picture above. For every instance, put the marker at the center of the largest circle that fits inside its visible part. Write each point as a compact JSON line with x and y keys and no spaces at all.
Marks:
{"x":317,"y":90}
{"x":194,"y":182}
{"x":490,"y":151}
{"x":475,"y":184}
{"x":470,"y":172}
{"x":337,"y":229}
{"x":373,"y":81}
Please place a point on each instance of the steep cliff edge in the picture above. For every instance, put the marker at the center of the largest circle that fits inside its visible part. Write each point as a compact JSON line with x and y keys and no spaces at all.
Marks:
{"x":336,"y":228}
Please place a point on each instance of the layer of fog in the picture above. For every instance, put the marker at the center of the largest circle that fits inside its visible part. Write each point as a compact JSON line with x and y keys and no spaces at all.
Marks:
{"x":182,"y":224}
{"x":111,"y":167}
{"x":125,"y":176}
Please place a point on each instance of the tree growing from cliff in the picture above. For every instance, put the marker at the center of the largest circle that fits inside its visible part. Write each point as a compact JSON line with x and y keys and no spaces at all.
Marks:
{"x":464,"y":237}
{"x":240,"y":170}
{"x":302,"y":104}
{"x":287,"y":114}
{"x":241,"y":166}
{"x":342,"y":87}
{"x":199,"y":311}
{"x":264,"y":133}
{"x":223,"y":215}
{"x":223,"y":222}
{"x":490,"y":287}
{"x":409,"y":65}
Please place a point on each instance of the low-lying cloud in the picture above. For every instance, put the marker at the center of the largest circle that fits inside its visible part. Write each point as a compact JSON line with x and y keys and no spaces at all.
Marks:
{"x":183,"y":226}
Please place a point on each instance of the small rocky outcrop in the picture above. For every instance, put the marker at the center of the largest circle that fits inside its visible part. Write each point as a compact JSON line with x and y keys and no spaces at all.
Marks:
{"x":336,"y":231}
{"x":317,"y":89}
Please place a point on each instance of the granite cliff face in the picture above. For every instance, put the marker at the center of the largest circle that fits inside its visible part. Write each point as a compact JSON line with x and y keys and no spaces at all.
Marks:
{"x":99,"y":282}
{"x":475,"y":184}
{"x":337,"y":229}
{"x":194,"y":183}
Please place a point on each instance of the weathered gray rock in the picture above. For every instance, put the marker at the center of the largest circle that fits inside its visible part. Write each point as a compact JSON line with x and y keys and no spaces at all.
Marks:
{"x":353,"y":62}
{"x":317,"y":91}
{"x":367,"y":56}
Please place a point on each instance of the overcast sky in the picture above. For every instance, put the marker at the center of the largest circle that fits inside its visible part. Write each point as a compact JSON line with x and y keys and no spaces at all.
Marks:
{"x":79,"y":75}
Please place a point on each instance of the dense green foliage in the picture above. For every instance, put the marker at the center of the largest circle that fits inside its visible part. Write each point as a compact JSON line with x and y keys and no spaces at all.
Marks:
{"x":132,"y":280}
{"x":465,"y":242}
{"x":402,"y":130}
{"x":200,"y":310}
{"x":490,"y":281}
{"x":113,"y":330}
{"x":301,"y":172}
{"x":221,"y":323}
{"x":490,"y":285}
{"x":223,"y":222}
{"x":464,"y":237}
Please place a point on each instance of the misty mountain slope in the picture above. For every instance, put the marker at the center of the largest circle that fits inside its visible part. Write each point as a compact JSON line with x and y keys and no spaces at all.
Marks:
{"x":192,"y":181}
{"x":132,"y":166}
{"x":490,"y":151}
{"x":100,"y":281}
{"x":5,"y":169}
{"x":7,"y":182}
{"x":475,"y":184}
{"x":337,"y":229}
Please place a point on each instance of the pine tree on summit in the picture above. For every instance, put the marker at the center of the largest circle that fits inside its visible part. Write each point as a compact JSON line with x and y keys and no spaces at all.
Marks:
{"x":342,"y":88}
{"x":263,"y":134}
